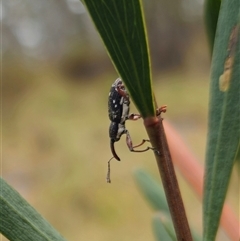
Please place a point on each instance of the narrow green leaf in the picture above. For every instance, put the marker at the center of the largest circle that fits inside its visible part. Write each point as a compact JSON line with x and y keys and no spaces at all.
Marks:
{"x":224,"y":115}
{"x":20,"y":221}
{"x":238,"y":153}
{"x":238,"y":158}
{"x":211,"y":13}
{"x":152,"y":191}
{"x":122,"y":29}
{"x":160,"y":230}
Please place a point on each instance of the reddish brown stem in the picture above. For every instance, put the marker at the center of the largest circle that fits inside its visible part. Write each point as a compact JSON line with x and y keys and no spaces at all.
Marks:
{"x":156,"y":133}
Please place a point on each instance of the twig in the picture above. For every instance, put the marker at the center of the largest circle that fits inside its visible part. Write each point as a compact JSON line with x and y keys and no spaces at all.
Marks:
{"x":156,"y":133}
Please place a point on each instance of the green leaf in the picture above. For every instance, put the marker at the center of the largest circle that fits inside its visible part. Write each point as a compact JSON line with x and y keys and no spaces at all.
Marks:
{"x":152,"y":191}
{"x":238,"y":153}
{"x":238,"y":159}
{"x":20,"y":221}
{"x":122,"y":29}
{"x":224,"y":115}
{"x":211,"y":13}
{"x":160,"y":230}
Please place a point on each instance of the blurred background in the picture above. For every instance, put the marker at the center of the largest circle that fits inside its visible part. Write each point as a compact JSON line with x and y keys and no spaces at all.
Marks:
{"x":56,"y":76}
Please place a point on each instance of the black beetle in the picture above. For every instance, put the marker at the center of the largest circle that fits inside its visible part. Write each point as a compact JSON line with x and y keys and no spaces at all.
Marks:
{"x":118,"y":112}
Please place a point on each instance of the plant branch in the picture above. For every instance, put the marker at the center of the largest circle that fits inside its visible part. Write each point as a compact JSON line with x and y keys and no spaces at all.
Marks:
{"x":156,"y":133}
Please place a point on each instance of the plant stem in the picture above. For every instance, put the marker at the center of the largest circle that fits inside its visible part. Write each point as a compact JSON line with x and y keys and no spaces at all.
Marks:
{"x":156,"y":133}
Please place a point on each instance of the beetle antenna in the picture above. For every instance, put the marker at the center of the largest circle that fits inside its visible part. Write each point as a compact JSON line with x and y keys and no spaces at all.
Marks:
{"x":108,"y":173}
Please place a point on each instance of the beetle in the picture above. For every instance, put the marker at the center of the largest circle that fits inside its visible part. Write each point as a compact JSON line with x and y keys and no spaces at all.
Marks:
{"x":118,"y":112}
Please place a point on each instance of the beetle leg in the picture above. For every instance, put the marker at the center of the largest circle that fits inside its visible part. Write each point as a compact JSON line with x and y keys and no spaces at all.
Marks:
{"x":131,"y":147}
{"x":143,"y":141}
{"x":134,"y":116}
{"x":108,"y":172}
{"x":160,"y":110}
